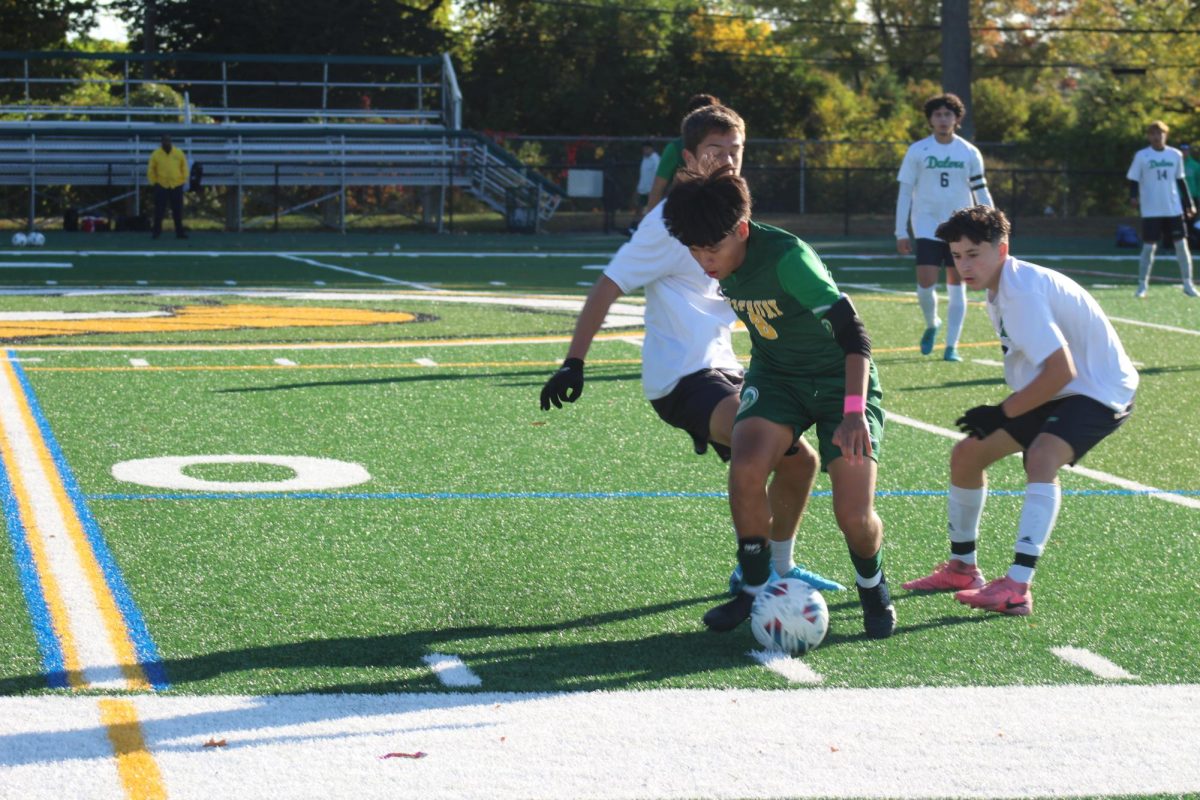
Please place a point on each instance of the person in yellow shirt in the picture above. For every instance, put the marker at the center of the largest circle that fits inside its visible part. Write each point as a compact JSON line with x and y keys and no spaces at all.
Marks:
{"x":167,"y":173}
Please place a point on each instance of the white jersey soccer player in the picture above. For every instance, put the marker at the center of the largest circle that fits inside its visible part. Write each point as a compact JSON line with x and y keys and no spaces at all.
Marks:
{"x":1072,"y":385}
{"x":939,"y":175}
{"x":1158,"y":186}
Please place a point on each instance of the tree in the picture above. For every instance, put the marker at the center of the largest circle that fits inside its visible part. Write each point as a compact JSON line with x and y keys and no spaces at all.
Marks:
{"x":39,"y":25}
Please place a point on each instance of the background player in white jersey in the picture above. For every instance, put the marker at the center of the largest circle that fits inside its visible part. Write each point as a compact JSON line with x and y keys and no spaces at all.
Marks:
{"x":1158,"y":188}
{"x":939,"y":174}
{"x":1072,"y":385}
{"x":690,"y":373}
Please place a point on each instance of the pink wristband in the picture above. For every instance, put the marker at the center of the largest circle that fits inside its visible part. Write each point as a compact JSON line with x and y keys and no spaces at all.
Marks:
{"x":855,"y":404}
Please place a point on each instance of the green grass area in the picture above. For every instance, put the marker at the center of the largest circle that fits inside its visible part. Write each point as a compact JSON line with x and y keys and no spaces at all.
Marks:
{"x":348,"y":589}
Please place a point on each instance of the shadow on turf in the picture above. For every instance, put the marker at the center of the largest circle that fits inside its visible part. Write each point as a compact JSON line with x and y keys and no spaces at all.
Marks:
{"x":419,"y":379}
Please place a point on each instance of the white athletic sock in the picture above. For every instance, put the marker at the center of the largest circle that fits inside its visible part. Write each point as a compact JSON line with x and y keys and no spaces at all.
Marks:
{"x":1184,"y":257}
{"x":1145,"y":262}
{"x":927,"y":299}
{"x":965,"y":508}
{"x":1042,"y":501}
{"x":781,"y":556}
{"x":956,"y":312}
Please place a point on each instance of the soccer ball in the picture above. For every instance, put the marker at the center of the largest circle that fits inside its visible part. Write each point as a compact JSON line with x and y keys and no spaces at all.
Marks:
{"x":37,"y":238}
{"x":19,"y":239}
{"x":789,"y":615}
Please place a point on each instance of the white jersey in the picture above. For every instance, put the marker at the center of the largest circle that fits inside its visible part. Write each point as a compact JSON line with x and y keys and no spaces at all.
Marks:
{"x":646,"y":175}
{"x":688,"y":322}
{"x":1157,"y":173}
{"x":1037,"y":311}
{"x":944,"y":178}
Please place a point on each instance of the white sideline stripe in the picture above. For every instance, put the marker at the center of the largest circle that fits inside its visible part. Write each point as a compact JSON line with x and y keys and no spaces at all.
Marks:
{"x":497,"y":283}
{"x":1101,"y":740}
{"x":1096,"y":475}
{"x":48,"y":524}
{"x":987,"y":362}
{"x":594,"y":266}
{"x":425,"y":362}
{"x":1156,"y":325}
{"x":231,"y":283}
{"x":285,"y":362}
{"x":873,"y":269}
{"x":451,"y":670}
{"x":1098,"y":665}
{"x":35,"y":265}
{"x":793,"y":669}
{"x":636,"y":341}
{"x":315,"y":253}
{"x":138,"y":362}
{"x":358,"y":272}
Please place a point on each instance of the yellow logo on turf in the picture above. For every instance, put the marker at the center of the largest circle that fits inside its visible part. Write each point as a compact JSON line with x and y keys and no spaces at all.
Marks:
{"x":24,"y":325}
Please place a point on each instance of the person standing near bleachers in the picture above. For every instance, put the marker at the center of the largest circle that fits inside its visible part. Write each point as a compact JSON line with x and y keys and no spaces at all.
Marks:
{"x":167,"y":172}
{"x":1158,"y":190}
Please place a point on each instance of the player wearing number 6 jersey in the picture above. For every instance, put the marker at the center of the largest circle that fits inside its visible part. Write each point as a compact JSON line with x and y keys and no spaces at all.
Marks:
{"x":940,"y":174}
{"x":810,"y":365}
{"x":1157,"y":186}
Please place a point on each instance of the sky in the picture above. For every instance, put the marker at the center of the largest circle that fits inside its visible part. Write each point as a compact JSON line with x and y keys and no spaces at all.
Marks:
{"x":109,"y":27}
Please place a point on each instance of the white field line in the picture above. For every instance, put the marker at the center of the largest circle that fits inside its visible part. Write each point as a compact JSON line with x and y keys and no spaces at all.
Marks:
{"x":451,"y":671}
{"x":46,"y":523}
{"x":425,"y":362}
{"x":139,"y":362}
{"x":1096,"y":475}
{"x":987,"y":362}
{"x":285,"y":362}
{"x":35,"y":265}
{"x":1158,"y":326}
{"x":793,"y":669}
{"x":358,"y":272}
{"x":1120,"y":739}
{"x":1098,"y":665}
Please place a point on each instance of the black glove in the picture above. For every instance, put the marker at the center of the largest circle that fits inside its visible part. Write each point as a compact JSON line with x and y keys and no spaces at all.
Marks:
{"x":566,"y":384}
{"x":980,"y":421}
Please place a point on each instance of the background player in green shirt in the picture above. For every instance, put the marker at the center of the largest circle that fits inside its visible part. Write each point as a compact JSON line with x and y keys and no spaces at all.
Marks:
{"x":810,"y":364}
{"x":672,"y":154}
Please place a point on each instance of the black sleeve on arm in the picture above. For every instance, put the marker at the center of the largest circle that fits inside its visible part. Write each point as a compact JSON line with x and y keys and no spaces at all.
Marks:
{"x":848,"y":328}
{"x":1184,"y":193}
{"x":1133,"y":189}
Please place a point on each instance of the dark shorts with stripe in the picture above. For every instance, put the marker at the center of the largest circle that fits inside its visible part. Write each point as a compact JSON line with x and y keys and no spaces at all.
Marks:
{"x":1079,"y":421}
{"x":1168,"y":229}
{"x":933,"y":252}
{"x":690,"y":405}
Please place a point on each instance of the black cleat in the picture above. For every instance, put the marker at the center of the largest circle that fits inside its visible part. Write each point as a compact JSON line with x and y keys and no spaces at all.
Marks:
{"x":729,"y":615}
{"x":879,"y":614}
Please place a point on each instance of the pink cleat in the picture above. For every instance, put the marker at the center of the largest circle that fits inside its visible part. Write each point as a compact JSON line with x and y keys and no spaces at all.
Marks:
{"x":1002,"y":595}
{"x":952,"y":574}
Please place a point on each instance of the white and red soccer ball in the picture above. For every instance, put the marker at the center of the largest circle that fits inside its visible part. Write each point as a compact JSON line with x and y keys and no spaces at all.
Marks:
{"x":789,"y":616}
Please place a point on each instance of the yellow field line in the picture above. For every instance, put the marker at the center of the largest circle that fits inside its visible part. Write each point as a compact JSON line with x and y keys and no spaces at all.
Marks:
{"x":138,"y":770}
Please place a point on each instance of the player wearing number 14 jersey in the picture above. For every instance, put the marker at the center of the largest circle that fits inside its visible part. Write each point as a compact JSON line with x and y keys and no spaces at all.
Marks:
{"x":940,"y":174}
{"x":1159,"y":189}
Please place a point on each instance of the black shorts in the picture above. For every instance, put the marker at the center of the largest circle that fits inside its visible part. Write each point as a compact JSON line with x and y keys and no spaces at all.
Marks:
{"x":933,"y":252}
{"x":690,"y":405}
{"x":1079,"y":421}
{"x":1168,"y":229}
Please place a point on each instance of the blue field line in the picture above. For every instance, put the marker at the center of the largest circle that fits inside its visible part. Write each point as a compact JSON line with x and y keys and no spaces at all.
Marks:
{"x":31,"y":586}
{"x":575,"y":495}
{"x":139,"y":634}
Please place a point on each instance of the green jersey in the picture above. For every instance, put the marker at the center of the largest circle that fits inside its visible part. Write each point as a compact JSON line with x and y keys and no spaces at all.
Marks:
{"x":781,"y":291}
{"x":672,"y":160}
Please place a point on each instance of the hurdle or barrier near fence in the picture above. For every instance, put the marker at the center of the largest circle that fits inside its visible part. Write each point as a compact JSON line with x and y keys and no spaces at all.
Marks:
{"x":340,"y":137}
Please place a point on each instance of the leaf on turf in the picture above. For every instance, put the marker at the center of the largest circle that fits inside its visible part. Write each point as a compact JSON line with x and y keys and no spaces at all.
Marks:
{"x":215,"y":743}
{"x":417,"y":754}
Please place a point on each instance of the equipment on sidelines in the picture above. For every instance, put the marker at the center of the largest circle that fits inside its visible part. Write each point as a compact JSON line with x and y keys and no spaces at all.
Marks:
{"x":37,"y":239}
{"x":789,"y":615}
{"x":19,"y":239}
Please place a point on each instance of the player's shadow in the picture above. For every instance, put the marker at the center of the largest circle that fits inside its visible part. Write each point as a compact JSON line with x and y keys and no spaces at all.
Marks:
{"x":952,"y":385}
{"x":836,"y":636}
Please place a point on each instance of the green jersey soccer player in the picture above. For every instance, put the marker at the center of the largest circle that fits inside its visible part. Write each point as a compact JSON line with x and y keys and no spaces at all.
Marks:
{"x":810,"y":364}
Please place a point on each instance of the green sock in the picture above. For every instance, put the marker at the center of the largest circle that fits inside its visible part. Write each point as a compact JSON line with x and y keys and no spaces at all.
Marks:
{"x":869,"y":570}
{"x":755,"y":559}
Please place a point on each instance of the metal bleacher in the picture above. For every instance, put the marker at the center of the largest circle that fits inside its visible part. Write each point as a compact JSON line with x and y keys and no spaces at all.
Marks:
{"x":406,"y":131}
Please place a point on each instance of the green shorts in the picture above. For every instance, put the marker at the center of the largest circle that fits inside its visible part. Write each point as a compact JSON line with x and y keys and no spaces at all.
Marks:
{"x":803,"y":402}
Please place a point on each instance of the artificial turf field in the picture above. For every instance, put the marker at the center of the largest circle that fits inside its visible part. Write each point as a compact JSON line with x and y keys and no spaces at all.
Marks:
{"x":485,"y":557}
